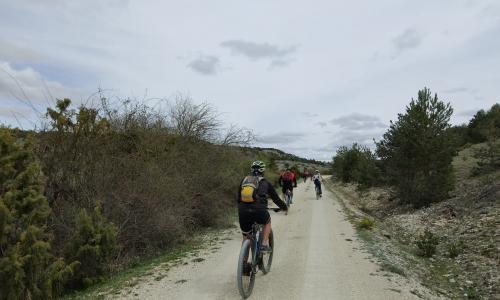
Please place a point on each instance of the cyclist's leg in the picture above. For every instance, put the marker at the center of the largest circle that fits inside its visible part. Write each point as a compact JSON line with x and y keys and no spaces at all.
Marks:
{"x":263,"y":217}
{"x":266,"y":231}
{"x":246,"y":220}
{"x":246,"y":223}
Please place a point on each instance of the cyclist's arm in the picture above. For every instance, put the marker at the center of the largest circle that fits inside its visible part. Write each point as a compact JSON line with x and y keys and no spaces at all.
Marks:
{"x":238,"y":195}
{"x":276,"y":199}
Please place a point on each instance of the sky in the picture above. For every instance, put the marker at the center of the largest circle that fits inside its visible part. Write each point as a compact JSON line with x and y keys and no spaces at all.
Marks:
{"x":305,"y":76}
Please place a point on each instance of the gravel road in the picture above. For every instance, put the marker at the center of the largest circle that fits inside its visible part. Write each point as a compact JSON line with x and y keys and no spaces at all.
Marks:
{"x":317,"y":256}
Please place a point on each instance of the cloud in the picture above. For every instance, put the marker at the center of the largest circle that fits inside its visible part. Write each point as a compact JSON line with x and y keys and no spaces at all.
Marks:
{"x":28,"y":85}
{"x":206,"y":65}
{"x":357,"y":122}
{"x":456,"y":90}
{"x":11,"y":111}
{"x":258,"y":51}
{"x":309,"y":115}
{"x":16,"y":53}
{"x":468,"y":113}
{"x":322,"y":124}
{"x":408,"y":39}
{"x":281,"y":138}
{"x":279,"y":63}
{"x":347,"y":138}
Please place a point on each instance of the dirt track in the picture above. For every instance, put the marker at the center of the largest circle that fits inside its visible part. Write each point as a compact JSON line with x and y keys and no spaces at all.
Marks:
{"x":317,"y":256}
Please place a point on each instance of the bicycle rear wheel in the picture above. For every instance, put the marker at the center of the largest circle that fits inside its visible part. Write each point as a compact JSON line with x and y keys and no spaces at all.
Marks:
{"x":245,"y":282}
{"x":267,"y":258}
{"x":317,"y":193}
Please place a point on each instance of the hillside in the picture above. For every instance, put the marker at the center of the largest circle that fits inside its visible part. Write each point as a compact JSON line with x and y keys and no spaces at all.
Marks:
{"x":466,"y":228}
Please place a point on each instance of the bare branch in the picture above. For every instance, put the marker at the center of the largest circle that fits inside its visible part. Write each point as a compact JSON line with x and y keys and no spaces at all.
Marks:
{"x":199,"y":121}
{"x":237,"y":136}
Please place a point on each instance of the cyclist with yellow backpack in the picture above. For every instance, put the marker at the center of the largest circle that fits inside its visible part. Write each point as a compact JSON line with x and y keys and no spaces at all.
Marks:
{"x":252,"y":203}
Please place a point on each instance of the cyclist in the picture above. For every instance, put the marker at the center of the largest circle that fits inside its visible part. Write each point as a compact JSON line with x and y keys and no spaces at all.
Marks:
{"x":250,"y":212}
{"x":287,"y":181}
{"x":305,"y":174}
{"x":317,"y":179}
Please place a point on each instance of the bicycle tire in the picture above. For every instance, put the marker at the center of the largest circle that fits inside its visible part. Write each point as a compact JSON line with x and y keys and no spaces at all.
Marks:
{"x":245,"y":283}
{"x":267,"y":259}
{"x":287,"y":200}
{"x":317,"y":193}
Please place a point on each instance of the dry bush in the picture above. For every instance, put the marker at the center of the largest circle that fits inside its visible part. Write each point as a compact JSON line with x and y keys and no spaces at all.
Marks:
{"x":157,"y":176}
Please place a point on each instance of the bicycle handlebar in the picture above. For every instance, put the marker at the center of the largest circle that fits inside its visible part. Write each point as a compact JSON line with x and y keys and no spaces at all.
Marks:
{"x":276,"y":209}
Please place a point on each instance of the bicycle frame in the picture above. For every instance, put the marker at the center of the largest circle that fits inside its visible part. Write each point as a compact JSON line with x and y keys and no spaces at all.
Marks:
{"x":256,"y":242}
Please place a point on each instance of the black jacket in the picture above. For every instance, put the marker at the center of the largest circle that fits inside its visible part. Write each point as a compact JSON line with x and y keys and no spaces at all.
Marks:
{"x":264,"y":191}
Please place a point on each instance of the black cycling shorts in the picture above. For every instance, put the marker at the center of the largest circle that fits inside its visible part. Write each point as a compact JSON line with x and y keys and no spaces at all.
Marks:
{"x":248,"y":216}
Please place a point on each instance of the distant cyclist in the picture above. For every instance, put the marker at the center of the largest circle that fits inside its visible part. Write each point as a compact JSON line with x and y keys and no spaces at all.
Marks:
{"x":252,"y":203}
{"x":317,"y":179}
{"x":305,"y":174}
{"x":287,"y":181}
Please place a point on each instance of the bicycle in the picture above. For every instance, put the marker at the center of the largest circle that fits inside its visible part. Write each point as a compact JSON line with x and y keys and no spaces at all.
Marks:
{"x":251,"y":249}
{"x":318,"y":191}
{"x":288,"y":197}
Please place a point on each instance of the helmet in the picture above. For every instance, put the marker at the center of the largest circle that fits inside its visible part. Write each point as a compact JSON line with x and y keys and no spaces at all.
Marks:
{"x":317,"y":171}
{"x":258,"y":166}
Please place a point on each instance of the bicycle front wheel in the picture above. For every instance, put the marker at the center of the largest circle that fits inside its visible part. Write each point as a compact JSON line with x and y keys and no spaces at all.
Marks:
{"x":245,"y":281}
{"x":267,"y":258}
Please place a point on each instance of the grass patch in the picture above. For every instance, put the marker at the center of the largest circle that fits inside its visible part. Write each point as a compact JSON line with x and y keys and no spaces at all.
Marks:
{"x":427,"y":244}
{"x":129,"y":277}
{"x":366,"y":223}
{"x":455,"y":248}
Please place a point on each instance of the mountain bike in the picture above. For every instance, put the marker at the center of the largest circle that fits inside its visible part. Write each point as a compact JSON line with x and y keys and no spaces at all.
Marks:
{"x":288,"y":197}
{"x":318,"y":191}
{"x":250,"y":254}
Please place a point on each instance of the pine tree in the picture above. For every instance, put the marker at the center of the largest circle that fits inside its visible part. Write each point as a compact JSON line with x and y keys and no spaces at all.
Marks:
{"x":93,"y":244}
{"x":27,"y":268}
{"x":417,"y":151}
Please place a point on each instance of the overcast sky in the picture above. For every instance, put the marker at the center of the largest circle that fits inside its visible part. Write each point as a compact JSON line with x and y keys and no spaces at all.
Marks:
{"x":306,"y":76}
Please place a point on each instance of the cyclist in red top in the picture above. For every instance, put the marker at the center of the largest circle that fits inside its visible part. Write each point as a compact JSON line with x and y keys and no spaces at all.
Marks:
{"x":287,"y":181}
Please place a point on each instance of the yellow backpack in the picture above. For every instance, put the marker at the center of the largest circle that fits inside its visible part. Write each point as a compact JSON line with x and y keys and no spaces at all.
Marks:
{"x":249,"y":188}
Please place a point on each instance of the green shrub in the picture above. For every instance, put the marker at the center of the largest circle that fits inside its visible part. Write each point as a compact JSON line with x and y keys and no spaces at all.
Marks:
{"x":472,"y":293}
{"x":366,"y":223}
{"x":485,"y":125}
{"x":356,"y":164}
{"x":28,"y":270}
{"x":488,"y":158}
{"x":92,"y":245}
{"x":427,"y":244}
{"x":455,"y":248}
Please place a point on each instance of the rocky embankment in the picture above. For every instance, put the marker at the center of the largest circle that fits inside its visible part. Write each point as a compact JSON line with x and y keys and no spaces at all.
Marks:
{"x":466,"y":230}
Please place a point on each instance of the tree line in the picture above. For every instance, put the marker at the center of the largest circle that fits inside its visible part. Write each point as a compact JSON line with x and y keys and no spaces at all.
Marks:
{"x":415,"y":154}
